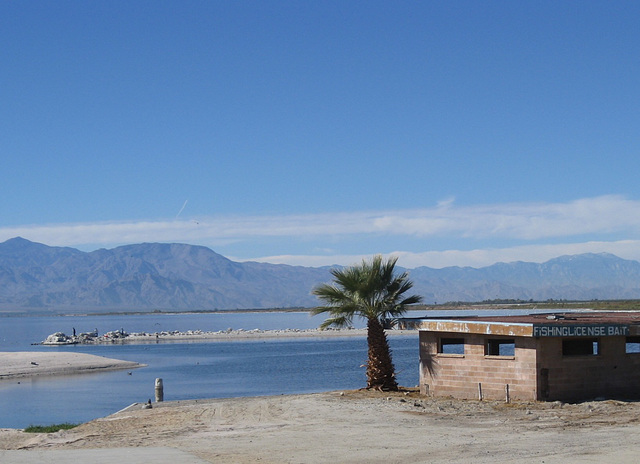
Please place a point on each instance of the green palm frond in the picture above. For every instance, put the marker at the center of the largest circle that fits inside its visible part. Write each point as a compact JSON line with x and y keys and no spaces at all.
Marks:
{"x":337,"y":321}
{"x":369,"y":290}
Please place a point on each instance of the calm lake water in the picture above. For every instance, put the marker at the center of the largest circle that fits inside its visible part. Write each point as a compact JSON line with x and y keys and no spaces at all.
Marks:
{"x":190,"y":370}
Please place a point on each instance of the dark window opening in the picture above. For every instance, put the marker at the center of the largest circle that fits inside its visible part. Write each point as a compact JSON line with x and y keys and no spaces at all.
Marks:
{"x":451,"y":346}
{"x":501,"y":347}
{"x":580,"y":347}
{"x":632,"y":345}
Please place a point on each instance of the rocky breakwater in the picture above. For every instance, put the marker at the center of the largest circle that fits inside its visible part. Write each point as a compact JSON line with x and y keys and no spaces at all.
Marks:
{"x":60,"y":338}
{"x":120,"y":336}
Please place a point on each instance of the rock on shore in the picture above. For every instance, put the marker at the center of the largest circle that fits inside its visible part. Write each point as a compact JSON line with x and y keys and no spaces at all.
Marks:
{"x":120,"y":336}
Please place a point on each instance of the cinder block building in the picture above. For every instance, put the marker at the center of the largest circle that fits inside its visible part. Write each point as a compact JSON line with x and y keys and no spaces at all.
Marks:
{"x":546,"y":357}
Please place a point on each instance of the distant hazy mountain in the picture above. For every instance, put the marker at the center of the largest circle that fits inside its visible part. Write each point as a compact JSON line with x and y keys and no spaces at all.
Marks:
{"x":153,"y":276}
{"x":587,"y":276}
{"x":147,"y":276}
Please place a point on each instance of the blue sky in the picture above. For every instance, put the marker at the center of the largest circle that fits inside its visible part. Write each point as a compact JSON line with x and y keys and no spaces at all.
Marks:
{"x":316,"y":133}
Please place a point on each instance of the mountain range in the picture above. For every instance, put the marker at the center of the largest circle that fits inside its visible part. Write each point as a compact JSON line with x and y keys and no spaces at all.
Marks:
{"x":157,"y":276}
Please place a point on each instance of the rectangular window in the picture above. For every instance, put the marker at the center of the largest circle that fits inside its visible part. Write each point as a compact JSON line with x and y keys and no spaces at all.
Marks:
{"x":580,"y":347}
{"x":632,"y":345}
{"x":451,"y":346}
{"x":500,"y":347}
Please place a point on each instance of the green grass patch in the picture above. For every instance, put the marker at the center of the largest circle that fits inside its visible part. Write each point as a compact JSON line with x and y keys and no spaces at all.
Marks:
{"x":49,"y":428}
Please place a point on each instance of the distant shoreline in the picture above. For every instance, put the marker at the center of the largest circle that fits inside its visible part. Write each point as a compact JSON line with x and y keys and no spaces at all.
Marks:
{"x":72,"y":312}
{"x":69,"y":313}
{"x":255,"y":334}
{"x":226,"y":335}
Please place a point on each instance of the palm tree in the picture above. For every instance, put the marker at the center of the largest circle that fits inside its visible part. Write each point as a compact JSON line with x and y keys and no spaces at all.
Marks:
{"x":371,"y":291}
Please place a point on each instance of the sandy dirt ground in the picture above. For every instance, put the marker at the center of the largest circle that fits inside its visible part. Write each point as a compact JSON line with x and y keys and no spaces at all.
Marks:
{"x":33,"y":363}
{"x":356,"y":427}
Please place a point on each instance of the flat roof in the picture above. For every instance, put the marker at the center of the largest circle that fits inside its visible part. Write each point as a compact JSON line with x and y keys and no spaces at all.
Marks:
{"x":552,"y":324}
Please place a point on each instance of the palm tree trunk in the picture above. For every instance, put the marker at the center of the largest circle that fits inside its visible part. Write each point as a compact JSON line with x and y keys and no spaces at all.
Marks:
{"x":380,"y":371}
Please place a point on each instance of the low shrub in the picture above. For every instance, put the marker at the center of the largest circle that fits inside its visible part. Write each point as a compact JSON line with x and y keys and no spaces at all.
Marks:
{"x":49,"y":428}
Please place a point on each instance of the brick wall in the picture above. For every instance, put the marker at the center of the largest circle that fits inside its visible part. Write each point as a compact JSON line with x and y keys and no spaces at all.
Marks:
{"x":538,"y":371}
{"x":610,"y":374}
{"x":460,"y":375}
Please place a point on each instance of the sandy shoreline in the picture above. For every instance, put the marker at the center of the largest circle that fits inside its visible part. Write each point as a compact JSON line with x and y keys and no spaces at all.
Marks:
{"x":257,"y":334}
{"x":223,"y":335}
{"x":37,"y":363}
{"x":345,"y":427}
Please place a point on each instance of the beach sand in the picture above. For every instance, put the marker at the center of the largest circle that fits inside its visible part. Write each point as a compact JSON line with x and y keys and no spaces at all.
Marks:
{"x":37,"y":363}
{"x":333,"y":427}
{"x":348,"y":427}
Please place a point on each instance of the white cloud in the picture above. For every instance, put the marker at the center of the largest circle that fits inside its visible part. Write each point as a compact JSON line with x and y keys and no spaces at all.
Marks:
{"x":582,"y":225}
{"x":528,"y":221}
{"x":627,"y":249}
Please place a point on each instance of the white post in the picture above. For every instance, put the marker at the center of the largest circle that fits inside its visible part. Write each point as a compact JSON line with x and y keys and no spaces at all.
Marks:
{"x":159,"y":391}
{"x":506,"y":391}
